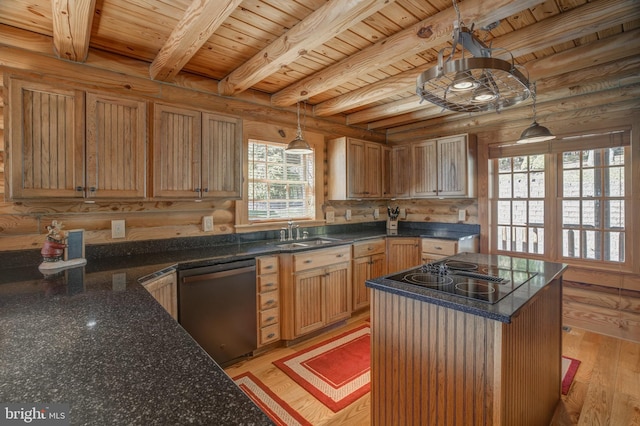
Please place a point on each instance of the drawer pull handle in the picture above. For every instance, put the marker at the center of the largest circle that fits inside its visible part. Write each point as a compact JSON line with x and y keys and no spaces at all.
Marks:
{"x":268,"y":267}
{"x":308,"y":261}
{"x":269,"y":284}
{"x":271,"y":335}
{"x":270,"y":319}
{"x":369,"y":248}
{"x":438,"y":248}
{"x":271,"y":302}
{"x":340,"y":255}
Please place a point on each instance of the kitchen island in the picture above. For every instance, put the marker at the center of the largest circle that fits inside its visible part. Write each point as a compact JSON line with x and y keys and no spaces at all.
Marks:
{"x":440,"y":358}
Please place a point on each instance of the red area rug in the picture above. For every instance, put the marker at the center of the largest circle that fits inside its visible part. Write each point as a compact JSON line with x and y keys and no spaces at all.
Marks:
{"x":279,"y":411}
{"x":336,"y":371}
{"x":569,"y":369}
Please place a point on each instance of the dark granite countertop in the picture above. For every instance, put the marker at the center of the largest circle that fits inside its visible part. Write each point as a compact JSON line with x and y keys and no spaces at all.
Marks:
{"x":112,"y":353}
{"x":94,"y":338}
{"x":501,"y":311}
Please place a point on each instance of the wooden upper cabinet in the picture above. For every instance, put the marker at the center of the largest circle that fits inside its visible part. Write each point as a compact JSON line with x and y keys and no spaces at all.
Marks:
{"x":385,"y":169}
{"x":196,"y":154}
{"x":400,"y":171}
{"x":46,"y":141}
{"x":444,"y":167}
{"x":355,"y":169}
{"x":116,"y":147}
{"x":52,"y":156}
{"x":424,"y":167}
{"x":221,"y":155}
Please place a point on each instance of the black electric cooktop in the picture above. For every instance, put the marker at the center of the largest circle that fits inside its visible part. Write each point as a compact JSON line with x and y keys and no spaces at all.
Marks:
{"x":481,"y":282}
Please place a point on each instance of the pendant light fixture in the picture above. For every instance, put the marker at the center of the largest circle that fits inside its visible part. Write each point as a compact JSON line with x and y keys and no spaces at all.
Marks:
{"x":535,"y":132}
{"x":472,"y":84}
{"x":299,"y":145}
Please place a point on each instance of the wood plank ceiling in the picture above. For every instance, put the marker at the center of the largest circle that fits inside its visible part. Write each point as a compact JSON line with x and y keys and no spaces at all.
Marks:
{"x":355,"y":61}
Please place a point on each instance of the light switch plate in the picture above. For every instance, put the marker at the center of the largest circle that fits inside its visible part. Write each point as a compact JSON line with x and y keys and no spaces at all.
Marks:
{"x":402,"y":214}
{"x":118,"y":229}
{"x":347,"y":215}
{"x":462,"y":214}
{"x":207,"y":223}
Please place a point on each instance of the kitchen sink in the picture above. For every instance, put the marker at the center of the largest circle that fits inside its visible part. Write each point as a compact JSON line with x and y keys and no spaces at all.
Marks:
{"x":309,"y":242}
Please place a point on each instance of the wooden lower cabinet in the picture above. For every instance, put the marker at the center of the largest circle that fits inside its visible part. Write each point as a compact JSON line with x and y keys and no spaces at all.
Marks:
{"x":369,"y":261}
{"x":433,"y":365}
{"x":434,"y":249}
{"x":316,"y":290}
{"x":165,"y":290}
{"x":402,"y":253}
{"x":268,"y":291}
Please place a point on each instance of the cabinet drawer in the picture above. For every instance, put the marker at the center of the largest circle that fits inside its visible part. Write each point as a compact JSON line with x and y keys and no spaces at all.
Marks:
{"x":318,"y":258}
{"x":269,"y":334}
{"x":268,"y":300}
{"x":367,"y":248}
{"x":267,"y":265}
{"x":443,"y":247}
{"x":269,"y":316}
{"x":267,"y":282}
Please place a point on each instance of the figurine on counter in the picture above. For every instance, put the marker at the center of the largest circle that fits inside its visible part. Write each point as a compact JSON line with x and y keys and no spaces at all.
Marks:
{"x":53,"y":250}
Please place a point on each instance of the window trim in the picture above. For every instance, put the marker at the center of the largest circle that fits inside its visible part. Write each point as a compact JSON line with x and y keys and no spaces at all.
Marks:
{"x":552,"y":150}
{"x":274,"y":133}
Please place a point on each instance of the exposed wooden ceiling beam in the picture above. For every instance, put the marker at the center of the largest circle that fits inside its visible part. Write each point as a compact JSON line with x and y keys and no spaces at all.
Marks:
{"x":437,"y":30}
{"x":612,"y":48}
{"x":201,"y":19}
{"x":320,"y":26}
{"x":72,"y":28}
{"x":546,"y":113}
{"x":574,"y":24}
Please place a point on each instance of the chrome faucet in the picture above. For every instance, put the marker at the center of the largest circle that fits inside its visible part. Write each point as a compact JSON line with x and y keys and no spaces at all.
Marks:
{"x":290,"y":227}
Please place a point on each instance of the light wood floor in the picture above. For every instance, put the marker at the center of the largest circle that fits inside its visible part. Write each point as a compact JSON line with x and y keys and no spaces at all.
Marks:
{"x":605,"y":391}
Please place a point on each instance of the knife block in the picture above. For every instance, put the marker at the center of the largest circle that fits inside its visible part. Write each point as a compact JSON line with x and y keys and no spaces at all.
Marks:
{"x":392,"y":224}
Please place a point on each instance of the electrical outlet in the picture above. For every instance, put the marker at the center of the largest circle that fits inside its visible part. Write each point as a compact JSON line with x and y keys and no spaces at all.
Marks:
{"x":402,"y":214}
{"x":376,"y":213}
{"x":330,"y":216}
{"x":462,"y":214}
{"x":119,"y":281}
{"x":118,"y":229}
{"x":347,"y":215}
{"x":207,"y":223}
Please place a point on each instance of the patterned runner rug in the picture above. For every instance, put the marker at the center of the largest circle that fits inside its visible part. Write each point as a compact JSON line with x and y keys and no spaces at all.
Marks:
{"x":278,"y":410}
{"x":336,"y":371}
{"x":569,"y":369}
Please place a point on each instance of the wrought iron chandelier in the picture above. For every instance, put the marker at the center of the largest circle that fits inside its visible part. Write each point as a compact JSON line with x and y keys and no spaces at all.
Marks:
{"x":472,"y":84}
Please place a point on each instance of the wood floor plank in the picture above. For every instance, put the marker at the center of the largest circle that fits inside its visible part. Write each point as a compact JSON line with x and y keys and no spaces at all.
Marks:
{"x":605,"y":391}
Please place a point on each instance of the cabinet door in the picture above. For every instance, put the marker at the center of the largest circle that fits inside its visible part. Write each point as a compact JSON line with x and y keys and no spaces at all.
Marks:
{"x":164,"y":290}
{"x":452,"y":166}
{"x":424,"y":169}
{"x":356,"y":155}
{"x":337,"y":293}
{"x":402,"y":253}
{"x":221,"y":156}
{"x":177,"y":152}
{"x":372,"y":169}
{"x":386,"y":169}
{"x":46,"y":141}
{"x":401,"y":171}
{"x":116,"y":147}
{"x":361,"y":267}
{"x":309,"y":314}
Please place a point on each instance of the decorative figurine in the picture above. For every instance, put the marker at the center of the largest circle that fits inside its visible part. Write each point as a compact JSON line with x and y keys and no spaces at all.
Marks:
{"x":53,"y":250}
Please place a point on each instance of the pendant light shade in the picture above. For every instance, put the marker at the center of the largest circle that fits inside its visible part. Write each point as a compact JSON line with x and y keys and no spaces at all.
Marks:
{"x":299,"y":145}
{"x":535,"y":132}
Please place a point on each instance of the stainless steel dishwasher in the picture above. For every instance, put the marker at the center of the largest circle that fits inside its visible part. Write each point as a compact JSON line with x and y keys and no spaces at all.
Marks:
{"x":217,"y":307}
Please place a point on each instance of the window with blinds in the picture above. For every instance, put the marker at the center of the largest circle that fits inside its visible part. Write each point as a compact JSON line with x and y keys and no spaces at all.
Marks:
{"x":281,"y":185}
